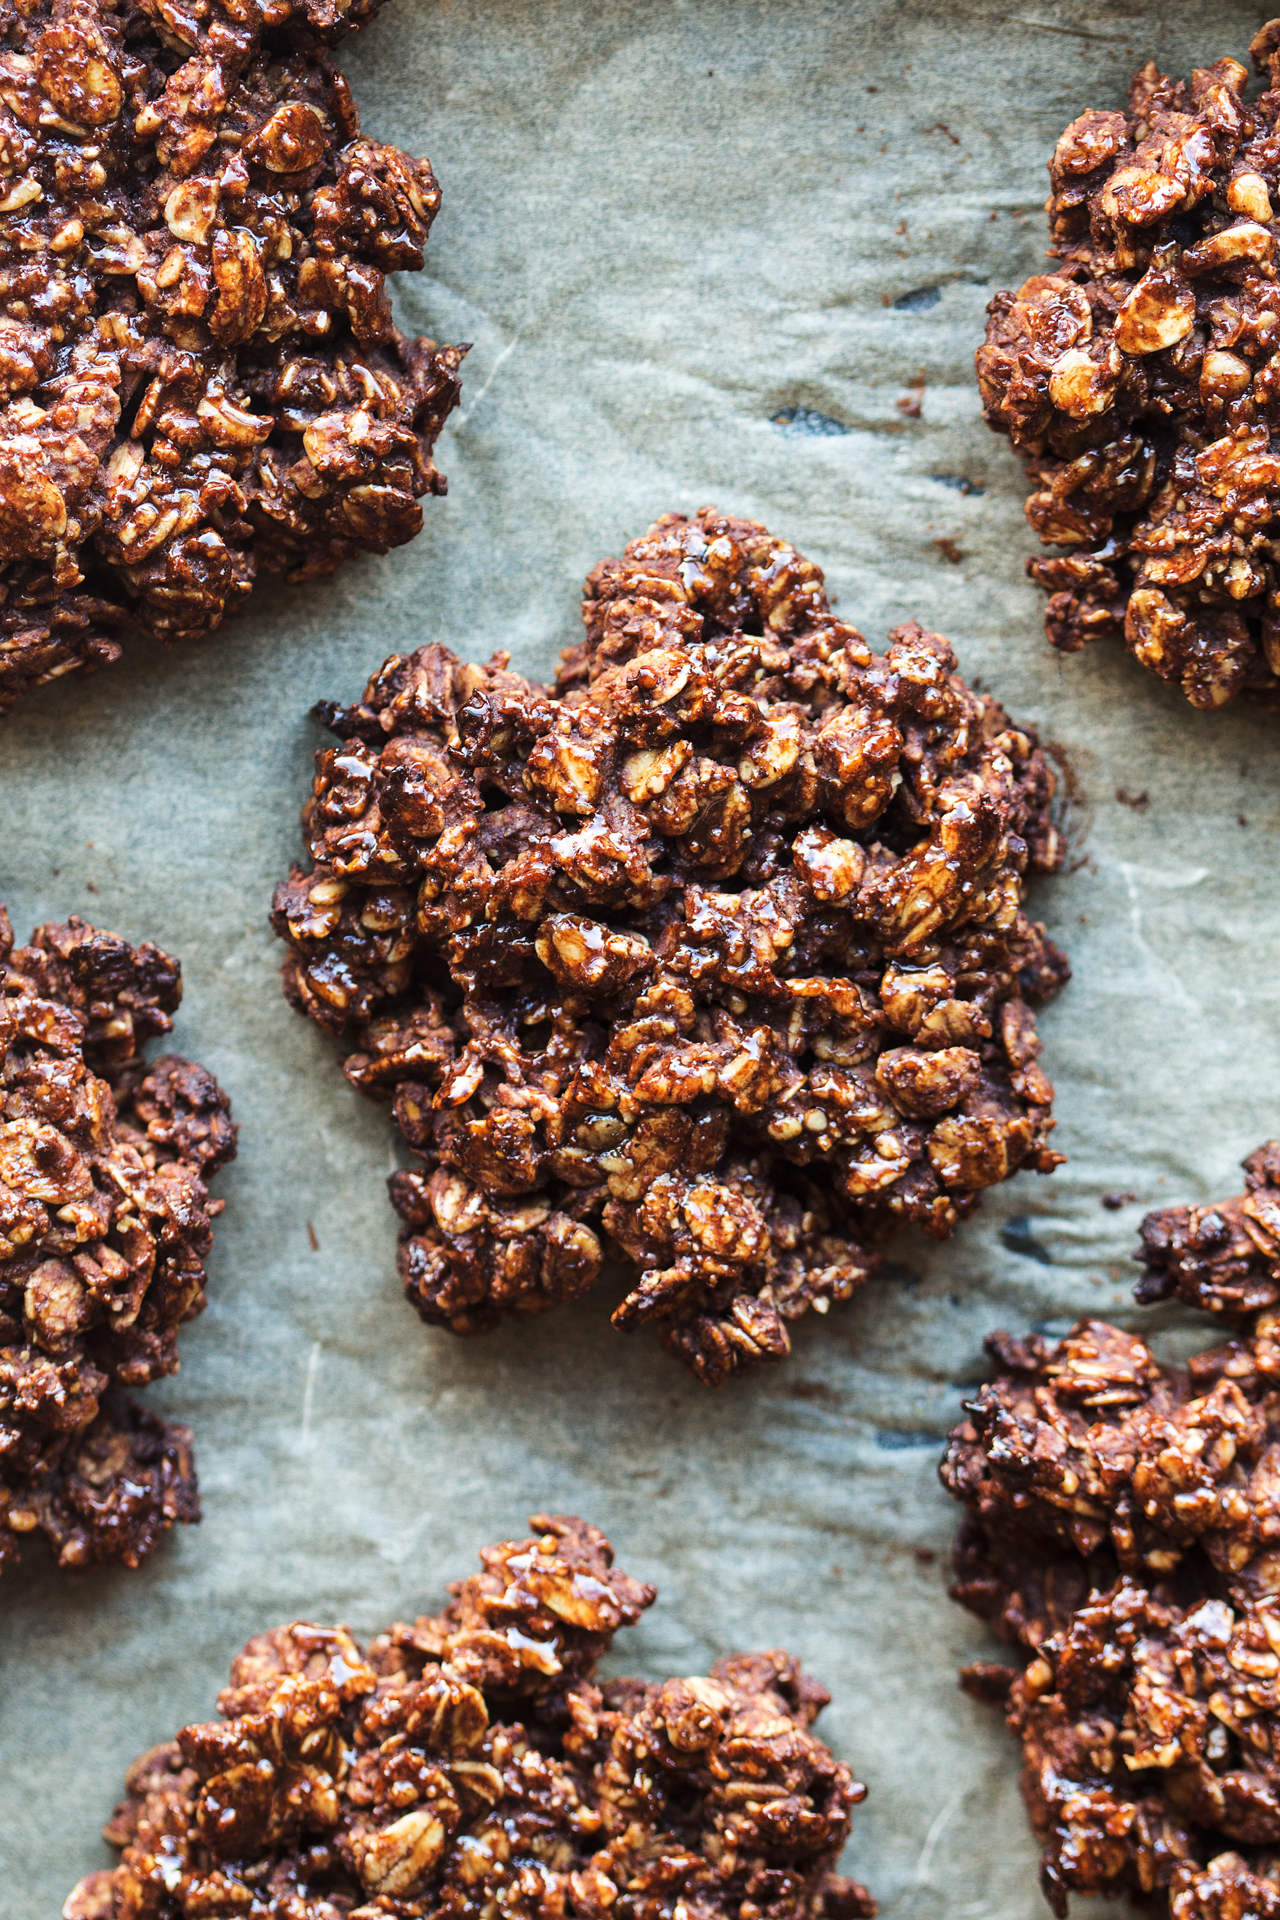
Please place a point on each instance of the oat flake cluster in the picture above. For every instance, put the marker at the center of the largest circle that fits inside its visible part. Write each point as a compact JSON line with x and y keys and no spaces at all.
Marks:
{"x":199,"y":376}
{"x":1123,"y":1534}
{"x":472,"y":1765}
{"x":104,"y":1228}
{"x":713,"y":961}
{"x":1141,"y":379}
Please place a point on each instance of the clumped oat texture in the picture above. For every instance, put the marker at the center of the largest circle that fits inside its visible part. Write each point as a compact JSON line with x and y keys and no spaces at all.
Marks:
{"x":1141,"y":380}
{"x":472,"y":1765}
{"x":199,"y":375}
{"x":1224,"y":1258}
{"x":104,"y":1228}
{"x":1123,"y":1534}
{"x":713,"y":960}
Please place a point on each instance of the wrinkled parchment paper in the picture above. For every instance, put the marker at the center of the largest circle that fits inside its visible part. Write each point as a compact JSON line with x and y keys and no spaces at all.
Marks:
{"x":663,"y":225}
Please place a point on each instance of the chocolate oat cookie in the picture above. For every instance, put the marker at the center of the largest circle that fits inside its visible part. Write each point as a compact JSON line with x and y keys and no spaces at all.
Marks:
{"x":1141,"y":380}
{"x":712,"y":960}
{"x":472,"y":1764}
{"x":1224,"y":1258}
{"x":104,"y":1227}
{"x":1123,"y":1535}
{"x":199,"y":374}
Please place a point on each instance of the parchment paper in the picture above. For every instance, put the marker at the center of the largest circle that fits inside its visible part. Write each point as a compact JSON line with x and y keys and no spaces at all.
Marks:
{"x":663,"y":225}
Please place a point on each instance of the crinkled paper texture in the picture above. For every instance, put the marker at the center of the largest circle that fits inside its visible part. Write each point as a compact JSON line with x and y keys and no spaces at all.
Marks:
{"x":662,"y":227}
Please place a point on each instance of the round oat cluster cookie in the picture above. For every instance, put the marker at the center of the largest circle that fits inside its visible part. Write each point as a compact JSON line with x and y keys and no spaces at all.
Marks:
{"x":1141,"y":380}
{"x":1123,"y":1534}
{"x":105,"y":1223}
{"x":199,"y":375}
{"x":473,"y":1764}
{"x":713,"y":960}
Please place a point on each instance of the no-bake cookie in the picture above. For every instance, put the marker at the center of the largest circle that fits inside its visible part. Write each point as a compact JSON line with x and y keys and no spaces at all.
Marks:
{"x":199,"y":374}
{"x":1225,"y":1257}
{"x":1141,"y":380}
{"x":1123,"y":1534}
{"x":713,"y":960}
{"x":472,"y":1764}
{"x":105,"y":1222}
